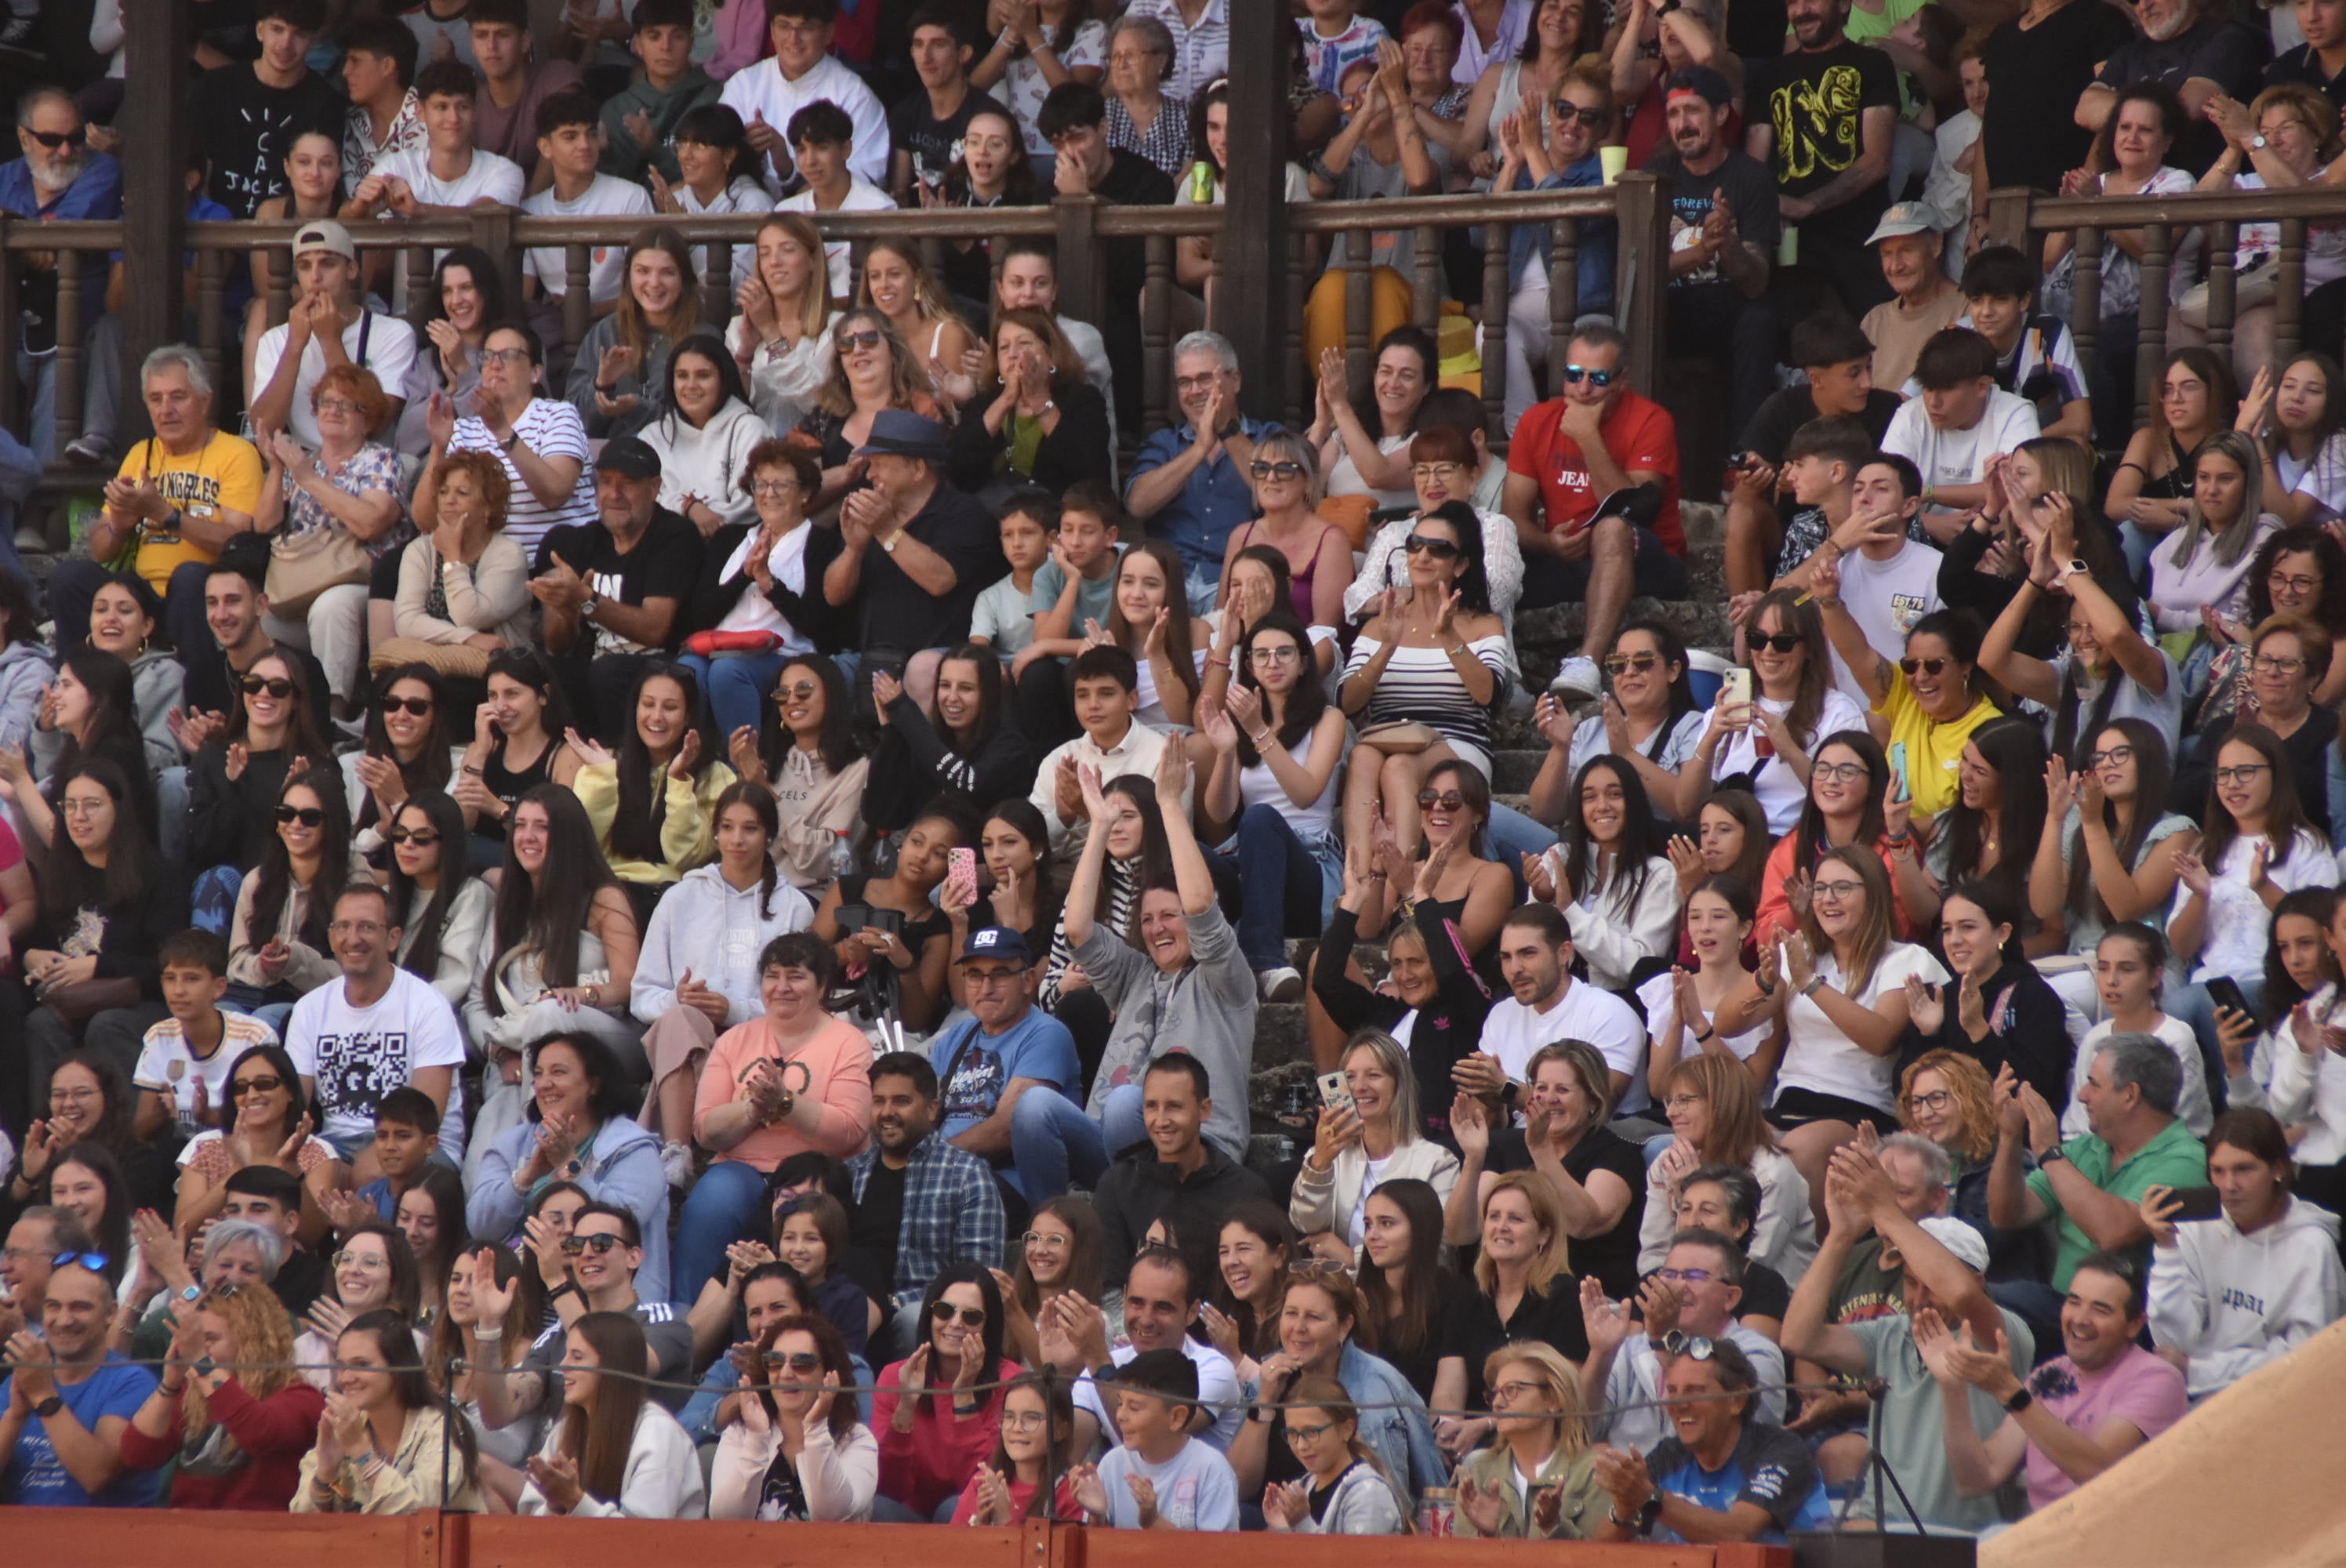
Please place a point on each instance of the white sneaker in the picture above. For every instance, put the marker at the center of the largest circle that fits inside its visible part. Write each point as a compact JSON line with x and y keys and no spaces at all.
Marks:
{"x":676,"y":1164}
{"x":1280,"y":984}
{"x":1577,"y":677}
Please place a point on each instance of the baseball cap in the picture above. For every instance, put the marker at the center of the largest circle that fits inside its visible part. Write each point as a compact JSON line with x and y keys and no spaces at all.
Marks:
{"x":325,"y":234}
{"x":629,"y":457}
{"x":1904,"y":217}
{"x":996,"y":941}
{"x":1958,"y":1237}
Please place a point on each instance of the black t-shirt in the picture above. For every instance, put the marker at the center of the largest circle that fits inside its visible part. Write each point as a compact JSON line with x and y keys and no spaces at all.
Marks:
{"x":1612,"y":1256}
{"x":300,"y":1281}
{"x":1779,"y":1472}
{"x":1755,"y":31}
{"x":2221,"y":52}
{"x":1131,"y":182}
{"x":1454,"y":1299}
{"x":1551,"y":1319}
{"x":246,"y":128}
{"x":2302,"y":64}
{"x":2030,"y":135}
{"x":1751,"y":197}
{"x":890,"y":609}
{"x":1817,"y":104}
{"x":664,"y":564}
{"x":934,"y":143}
{"x":873,"y":1222}
{"x":1771,"y":428}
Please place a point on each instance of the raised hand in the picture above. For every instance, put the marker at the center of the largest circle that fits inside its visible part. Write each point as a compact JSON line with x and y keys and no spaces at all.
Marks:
{"x":2157,"y":1209}
{"x":1605,"y":1322}
{"x":1469,"y":1126}
{"x":1924,"y":1008}
{"x":1482,"y":1508}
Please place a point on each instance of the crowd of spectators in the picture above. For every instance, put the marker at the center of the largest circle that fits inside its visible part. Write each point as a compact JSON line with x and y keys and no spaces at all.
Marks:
{"x":686,"y":923}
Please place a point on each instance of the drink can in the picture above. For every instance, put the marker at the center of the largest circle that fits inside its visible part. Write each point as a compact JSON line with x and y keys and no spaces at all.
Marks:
{"x":1437,"y":1511}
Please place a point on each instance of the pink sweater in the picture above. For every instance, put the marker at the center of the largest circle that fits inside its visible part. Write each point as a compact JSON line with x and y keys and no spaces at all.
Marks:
{"x":838,"y":1062}
{"x":740,"y":30}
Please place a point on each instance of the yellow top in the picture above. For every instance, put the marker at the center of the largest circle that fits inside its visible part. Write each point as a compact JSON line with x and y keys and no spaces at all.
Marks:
{"x":1934,"y":748}
{"x":224,"y":472}
{"x":688,"y":829}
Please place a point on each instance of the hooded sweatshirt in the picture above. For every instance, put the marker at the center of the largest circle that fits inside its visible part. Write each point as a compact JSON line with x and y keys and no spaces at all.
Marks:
{"x":705,"y":925}
{"x":618,"y":1165}
{"x":2232,"y":1301}
{"x":24,"y":673}
{"x":2304,"y":1091}
{"x":159,"y":683}
{"x":710,"y":462}
{"x":1207,"y":1009}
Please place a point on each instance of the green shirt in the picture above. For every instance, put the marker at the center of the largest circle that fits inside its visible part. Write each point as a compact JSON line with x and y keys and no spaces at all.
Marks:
{"x":2173,"y":1159}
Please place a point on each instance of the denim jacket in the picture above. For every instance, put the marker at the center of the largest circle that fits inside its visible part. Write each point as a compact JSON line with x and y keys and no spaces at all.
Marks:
{"x":1596,"y":238}
{"x":1400,"y":1433}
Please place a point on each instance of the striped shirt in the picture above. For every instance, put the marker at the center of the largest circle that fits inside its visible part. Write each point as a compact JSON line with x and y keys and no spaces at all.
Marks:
{"x":550,"y":428}
{"x":1421,"y":686}
{"x":1200,"y":53}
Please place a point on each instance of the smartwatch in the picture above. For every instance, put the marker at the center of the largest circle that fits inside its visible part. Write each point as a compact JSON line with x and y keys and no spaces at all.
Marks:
{"x":191,"y":1294}
{"x":50,"y":1406}
{"x":2021,"y":1400}
{"x":2056,"y":1153}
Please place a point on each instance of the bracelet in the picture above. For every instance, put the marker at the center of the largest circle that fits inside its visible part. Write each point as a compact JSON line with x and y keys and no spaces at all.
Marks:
{"x":1816,"y":983}
{"x":488,"y":1333}
{"x":1706,"y":1034}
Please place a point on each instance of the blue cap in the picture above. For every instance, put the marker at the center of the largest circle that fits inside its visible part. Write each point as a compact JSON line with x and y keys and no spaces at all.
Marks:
{"x":996,"y":941}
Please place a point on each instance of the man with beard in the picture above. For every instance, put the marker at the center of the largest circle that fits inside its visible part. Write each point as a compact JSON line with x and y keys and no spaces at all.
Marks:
{"x":918,"y":1203}
{"x":58,"y":179}
{"x":1723,"y":230}
{"x":68,"y":1402}
{"x":1547,"y":1004}
{"x":2192,"y":47}
{"x":1831,"y":108}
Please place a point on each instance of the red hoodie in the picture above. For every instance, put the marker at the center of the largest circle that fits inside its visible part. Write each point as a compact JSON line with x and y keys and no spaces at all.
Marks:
{"x":923,"y":1468}
{"x":275,"y":1432}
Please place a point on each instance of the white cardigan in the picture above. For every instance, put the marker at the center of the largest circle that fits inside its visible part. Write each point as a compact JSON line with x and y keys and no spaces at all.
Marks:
{"x":1327,"y":1202}
{"x":1784,"y":1236}
{"x":1616,"y":935}
{"x":663,"y":1477}
{"x":838,"y":1478}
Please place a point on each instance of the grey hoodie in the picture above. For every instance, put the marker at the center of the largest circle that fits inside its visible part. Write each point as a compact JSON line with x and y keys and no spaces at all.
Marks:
{"x":24,"y":673}
{"x":2232,"y":1300}
{"x":157,"y":683}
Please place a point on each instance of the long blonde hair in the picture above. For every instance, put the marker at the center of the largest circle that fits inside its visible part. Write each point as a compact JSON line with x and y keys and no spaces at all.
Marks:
{"x":1554,"y":1258}
{"x":814,"y":299}
{"x":927,"y":297}
{"x":1394,"y":1063}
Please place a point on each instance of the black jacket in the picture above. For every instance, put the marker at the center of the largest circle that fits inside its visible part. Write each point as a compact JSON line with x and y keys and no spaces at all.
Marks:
{"x":1445,"y":1033}
{"x":130,"y":933}
{"x":2028,"y":1030}
{"x":231,"y":820}
{"x":911,"y":765}
{"x":1077,"y":450}
{"x":715,"y":595}
{"x":1138,"y":1186}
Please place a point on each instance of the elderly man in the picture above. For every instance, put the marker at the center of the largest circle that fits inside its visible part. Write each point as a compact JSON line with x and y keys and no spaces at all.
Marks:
{"x":2191,"y":47}
{"x":328,"y":324}
{"x":1722,"y":1474}
{"x":1569,"y":453}
{"x":181,"y":497}
{"x":68,"y":1402}
{"x":1923,"y":299}
{"x":58,"y":179}
{"x":1188,"y":484}
{"x":39,"y":1237}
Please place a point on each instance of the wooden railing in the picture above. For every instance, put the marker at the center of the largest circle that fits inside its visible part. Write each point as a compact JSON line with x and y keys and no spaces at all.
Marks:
{"x":1080,"y":227}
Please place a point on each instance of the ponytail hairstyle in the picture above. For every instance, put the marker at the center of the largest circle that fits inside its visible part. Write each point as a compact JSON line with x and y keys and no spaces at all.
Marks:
{"x":760,"y":801}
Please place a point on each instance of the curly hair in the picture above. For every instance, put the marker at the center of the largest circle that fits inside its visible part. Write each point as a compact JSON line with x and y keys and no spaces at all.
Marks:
{"x":263,"y":1332}
{"x":488,"y":478}
{"x":1967,"y":1081}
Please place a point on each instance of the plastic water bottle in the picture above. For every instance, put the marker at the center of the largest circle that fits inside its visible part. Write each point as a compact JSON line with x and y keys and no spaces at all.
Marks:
{"x":842,"y":855}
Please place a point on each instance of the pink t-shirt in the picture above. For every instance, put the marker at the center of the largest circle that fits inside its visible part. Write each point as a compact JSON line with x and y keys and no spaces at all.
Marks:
{"x":2137,"y":1387}
{"x":838,"y":1075}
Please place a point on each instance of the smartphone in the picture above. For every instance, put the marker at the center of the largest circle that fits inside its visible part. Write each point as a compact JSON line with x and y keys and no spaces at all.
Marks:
{"x":1735,"y":688}
{"x":2196,"y":1202}
{"x":1335,"y":1091}
{"x":2225,"y":992}
{"x":961,"y":875}
{"x":1898,"y":760}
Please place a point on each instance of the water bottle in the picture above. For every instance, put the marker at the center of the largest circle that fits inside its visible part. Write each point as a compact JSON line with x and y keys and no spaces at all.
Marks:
{"x":842,"y":855}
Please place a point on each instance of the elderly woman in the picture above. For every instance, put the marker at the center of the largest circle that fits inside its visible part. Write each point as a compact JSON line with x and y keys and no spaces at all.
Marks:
{"x":329,"y":516}
{"x":1285,"y":472}
{"x":1142,"y":117}
{"x":464,"y":587}
{"x":750,"y":611}
{"x":1354,"y":459}
{"x":2286,"y":140}
{"x":1045,"y":424}
{"x":1378,"y":1129}
{"x":872,"y":370}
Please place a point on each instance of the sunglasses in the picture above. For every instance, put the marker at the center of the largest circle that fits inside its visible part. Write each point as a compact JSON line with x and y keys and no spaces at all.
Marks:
{"x":1566,"y":113}
{"x":1574,"y":375}
{"x":1775,"y":642}
{"x":308,"y":815}
{"x":94,"y":1262}
{"x":1641,"y":663}
{"x":805,"y":691}
{"x":1448,"y":800}
{"x":850,"y":341}
{"x":254,"y":685}
{"x":971,"y":1316}
{"x":1280,"y":470}
{"x":1927,"y":666}
{"x":259,"y":1084}
{"x":1440,"y":549}
{"x":796,"y":1361}
{"x":54,"y":140}
{"x":420,"y":706}
{"x":1678,"y":1343}
{"x":572,"y":1245}
{"x":422,"y":838}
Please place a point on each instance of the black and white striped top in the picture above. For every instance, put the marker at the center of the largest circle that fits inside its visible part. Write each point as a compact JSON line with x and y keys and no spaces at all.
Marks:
{"x":1421,"y":686}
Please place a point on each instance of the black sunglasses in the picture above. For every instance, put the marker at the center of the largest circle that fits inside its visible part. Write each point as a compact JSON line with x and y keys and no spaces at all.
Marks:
{"x":971,"y":1316}
{"x":797,"y":1361}
{"x":572,"y":1245}
{"x":1776,"y":642}
{"x":259,"y":1084}
{"x":308,"y":815}
{"x":254,"y":685}
{"x":1927,"y":666}
{"x":1440,"y":549}
{"x":1448,"y":800}
{"x":421,"y":707}
{"x":422,"y":838}
{"x":850,"y":342}
{"x":1587,"y":116}
{"x":54,"y":140}
{"x":1262,"y":469}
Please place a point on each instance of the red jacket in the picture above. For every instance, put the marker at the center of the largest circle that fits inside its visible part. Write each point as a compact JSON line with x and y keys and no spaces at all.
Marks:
{"x":275,"y":1431}
{"x":923,"y":1468}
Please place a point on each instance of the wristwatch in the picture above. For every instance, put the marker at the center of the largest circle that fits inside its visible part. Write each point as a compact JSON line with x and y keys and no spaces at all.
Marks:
{"x":2056,"y":1153}
{"x":49,"y":1406}
{"x":2258,"y":143}
{"x":2021,"y":1400}
{"x":891,"y":541}
{"x":587,"y":607}
{"x":191,"y":1294}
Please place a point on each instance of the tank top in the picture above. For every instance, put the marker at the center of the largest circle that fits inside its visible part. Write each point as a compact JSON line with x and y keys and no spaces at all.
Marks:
{"x":509,"y":786}
{"x":1298,"y":584}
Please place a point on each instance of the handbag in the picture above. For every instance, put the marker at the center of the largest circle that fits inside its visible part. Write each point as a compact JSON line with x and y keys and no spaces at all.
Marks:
{"x":78,"y":1001}
{"x":1400,"y":737}
{"x":710,"y":644}
{"x":2253,"y":286}
{"x":459,"y":659}
{"x":303,"y":565}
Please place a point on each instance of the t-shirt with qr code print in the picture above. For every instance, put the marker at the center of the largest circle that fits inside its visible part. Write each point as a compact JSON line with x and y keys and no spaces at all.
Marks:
{"x":357,"y":1055}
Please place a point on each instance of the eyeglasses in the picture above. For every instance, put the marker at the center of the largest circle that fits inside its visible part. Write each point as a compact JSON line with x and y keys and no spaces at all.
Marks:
{"x":1685,"y":1276}
{"x":1677,"y":1102}
{"x":1440,"y":549}
{"x":1936,"y":1100}
{"x":2245,"y":773}
{"x":1927,"y":666}
{"x":418,"y":707}
{"x":1836,"y":891}
{"x":971,"y":1316}
{"x":2265,"y":664}
{"x":1841,"y":773}
{"x":371,"y":1262}
{"x":1574,"y":375}
{"x":2114,"y":754}
{"x":2293,"y":584}
{"x":308,"y":815}
{"x":1566,"y":112}
{"x":337,"y":405}
{"x":354,"y":927}
{"x":1047,"y":1242}
{"x":1421,"y":471}
{"x":1776,"y":642}
{"x":84,"y":808}
{"x":796,"y":1361}
{"x":1297,"y":1435}
{"x":1279,"y":470}
{"x":259,"y":1084}
{"x":789,"y":486}
{"x":1448,"y":800}
{"x":1280,"y":653}
{"x":1640,"y":662}
{"x":850,"y":342}
{"x":422,"y":838}
{"x":514,"y":357}
{"x":572,"y":1245}
{"x":1677,"y":1343}
{"x":94,"y":1262}
{"x":1520,"y":1388}
{"x":1024,"y":1420}
{"x":254,"y":685}
{"x":54,"y":140}
{"x":1316,"y":1268}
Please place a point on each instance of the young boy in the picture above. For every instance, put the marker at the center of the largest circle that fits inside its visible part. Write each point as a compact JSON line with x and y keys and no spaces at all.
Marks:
{"x":1107,"y":684}
{"x":2033,"y":355}
{"x":1074,"y":590}
{"x":185,"y":1062}
{"x":1160,"y":1477}
{"x":1889,"y":571}
{"x":1004,"y":617}
{"x":513,"y":83}
{"x":1335,"y":38}
{"x":822,"y":140}
{"x":639,"y":118}
{"x":406,"y":1137}
{"x":567,"y":145}
{"x":1960,"y":422}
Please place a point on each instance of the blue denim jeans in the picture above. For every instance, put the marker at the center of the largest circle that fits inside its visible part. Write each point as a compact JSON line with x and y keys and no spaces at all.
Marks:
{"x":724,"y":1206}
{"x":1052,"y":1142}
{"x":1120,"y":1122}
{"x":735,"y":686}
{"x":1514,"y":835}
{"x":1284,"y":884}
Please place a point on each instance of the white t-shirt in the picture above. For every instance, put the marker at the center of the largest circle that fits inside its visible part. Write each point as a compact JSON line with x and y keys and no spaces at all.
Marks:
{"x":606,"y":196}
{"x":759,"y":92}
{"x":489,"y":175}
{"x":1819,"y":1057}
{"x":1778,"y":789}
{"x":1885,"y":598}
{"x":383,"y":345}
{"x":1022,"y":88}
{"x":1218,"y":1386}
{"x":1960,"y":456}
{"x":863,"y":195}
{"x":2237,"y":921}
{"x":2191,"y":1103}
{"x":357,"y":1055}
{"x":167,"y":1066}
{"x":1660,"y":998}
{"x":1512,"y":1032}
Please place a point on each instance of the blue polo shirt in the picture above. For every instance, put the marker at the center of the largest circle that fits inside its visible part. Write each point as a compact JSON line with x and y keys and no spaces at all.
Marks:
{"x":1770,"y":1467}
{"x":37,"y":1478}
{"x":1218,"y":497}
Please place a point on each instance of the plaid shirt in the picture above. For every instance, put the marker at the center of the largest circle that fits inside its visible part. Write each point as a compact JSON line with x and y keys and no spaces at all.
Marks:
{"x":952,"y":1213}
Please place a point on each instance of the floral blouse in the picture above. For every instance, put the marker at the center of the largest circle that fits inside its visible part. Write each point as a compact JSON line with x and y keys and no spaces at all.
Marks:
{"x":373,"y":467}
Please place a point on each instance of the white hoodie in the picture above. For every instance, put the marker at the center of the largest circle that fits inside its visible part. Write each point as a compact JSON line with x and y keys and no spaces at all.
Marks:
{"x":710,"y":462}
{"x":704,"y":925}
{"x":2233,"y":1301}
{"x":2310,"y":1091}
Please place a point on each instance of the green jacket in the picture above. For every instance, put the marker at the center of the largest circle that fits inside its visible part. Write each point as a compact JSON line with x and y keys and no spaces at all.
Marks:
{"x":1493,"y":1470}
